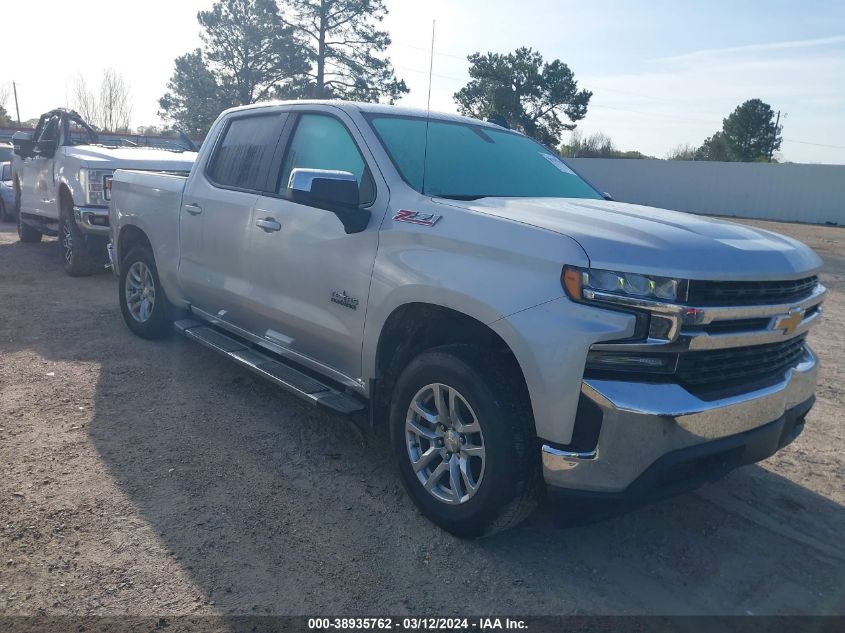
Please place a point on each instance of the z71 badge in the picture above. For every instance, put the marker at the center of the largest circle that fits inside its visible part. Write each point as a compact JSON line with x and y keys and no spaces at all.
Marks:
{"x":415,"y":217}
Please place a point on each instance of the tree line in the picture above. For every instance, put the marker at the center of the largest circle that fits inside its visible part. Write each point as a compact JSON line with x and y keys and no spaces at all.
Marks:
{"x":597,"y":145}
{"x":751,"y":133}
{"x":254,"y":50}
{"x":5,"y":117}
{"x":110,"y":107}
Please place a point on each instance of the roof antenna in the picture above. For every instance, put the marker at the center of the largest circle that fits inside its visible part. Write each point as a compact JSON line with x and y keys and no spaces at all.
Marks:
{"x":428,"y":106}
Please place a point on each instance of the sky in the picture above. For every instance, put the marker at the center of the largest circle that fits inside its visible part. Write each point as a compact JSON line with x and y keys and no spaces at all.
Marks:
{"x":663,"y":73}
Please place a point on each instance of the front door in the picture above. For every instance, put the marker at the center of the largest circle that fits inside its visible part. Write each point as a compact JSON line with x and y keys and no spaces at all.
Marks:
{"x":311,"y":278}
{"x":37,"y":185}
{"x":216,"y":216}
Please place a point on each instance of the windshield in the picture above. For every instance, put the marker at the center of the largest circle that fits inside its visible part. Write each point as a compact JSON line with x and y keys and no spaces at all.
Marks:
{"x":80,"y":135}
{"x":5,"y":154}
{"x":5,"y":172}
{"x":468,"y":161}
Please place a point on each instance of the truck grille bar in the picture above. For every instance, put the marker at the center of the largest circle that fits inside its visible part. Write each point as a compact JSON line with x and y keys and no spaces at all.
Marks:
{"x":726,"y":366}
{"x":737,"y":334}
{"x":736,"y":293}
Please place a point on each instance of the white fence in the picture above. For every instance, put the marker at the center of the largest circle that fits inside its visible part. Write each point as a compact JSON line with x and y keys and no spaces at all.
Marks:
{"x":800,"y":193}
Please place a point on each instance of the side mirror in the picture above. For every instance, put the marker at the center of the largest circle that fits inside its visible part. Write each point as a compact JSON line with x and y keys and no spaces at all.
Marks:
{"x":335,"y":191}
{"x":23,"y":144}
{"x":607,"y":196}
{"x":45,"y":149}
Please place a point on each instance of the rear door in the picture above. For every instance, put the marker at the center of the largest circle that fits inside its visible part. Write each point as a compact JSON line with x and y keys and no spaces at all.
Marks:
{"x":216,"y":215}
{"x":311,"y":278}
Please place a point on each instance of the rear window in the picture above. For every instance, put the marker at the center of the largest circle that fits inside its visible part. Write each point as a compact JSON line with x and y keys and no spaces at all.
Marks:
{"x":242,"y":158}
{"x":5,"y":154}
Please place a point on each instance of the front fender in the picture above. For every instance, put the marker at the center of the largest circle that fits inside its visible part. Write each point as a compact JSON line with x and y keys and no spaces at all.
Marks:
{"x":550,"y":342}
{"x":68,"y":177}
{"x":510,"y":267}
{"x":507,"y":276}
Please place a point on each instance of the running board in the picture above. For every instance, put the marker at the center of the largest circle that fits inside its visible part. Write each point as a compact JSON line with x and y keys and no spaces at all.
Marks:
{"x":287,"y":377}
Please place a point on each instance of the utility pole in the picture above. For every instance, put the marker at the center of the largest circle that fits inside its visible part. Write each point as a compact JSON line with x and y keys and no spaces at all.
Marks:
{"x":17,"y":109}
{"x":774,"y":137}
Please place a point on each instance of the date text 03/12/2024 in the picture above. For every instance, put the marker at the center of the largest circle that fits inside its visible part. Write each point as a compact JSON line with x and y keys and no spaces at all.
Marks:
{"x":417,"y":624}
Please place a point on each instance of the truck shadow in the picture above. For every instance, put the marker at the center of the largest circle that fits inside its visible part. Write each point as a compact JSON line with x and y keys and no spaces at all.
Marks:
{"x":273,"y":507}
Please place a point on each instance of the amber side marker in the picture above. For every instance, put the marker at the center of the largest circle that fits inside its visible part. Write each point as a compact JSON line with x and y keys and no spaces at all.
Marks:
{"x":571,"y":280}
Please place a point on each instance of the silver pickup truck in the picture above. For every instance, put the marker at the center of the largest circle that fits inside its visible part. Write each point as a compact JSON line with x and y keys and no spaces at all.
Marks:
{"x":463,"y":287}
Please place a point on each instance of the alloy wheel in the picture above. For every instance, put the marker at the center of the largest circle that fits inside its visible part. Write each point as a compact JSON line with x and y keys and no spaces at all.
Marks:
{"x":140,"y":292}
{"x":67,"y":242}
{"x":445,"y":444}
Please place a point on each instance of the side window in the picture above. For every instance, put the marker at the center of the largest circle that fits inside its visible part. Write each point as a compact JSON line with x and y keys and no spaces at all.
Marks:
{"x":50,"y":130}
{"x":39,"y":128}
{"x":242,"y":158}
{"x":323,"y":142}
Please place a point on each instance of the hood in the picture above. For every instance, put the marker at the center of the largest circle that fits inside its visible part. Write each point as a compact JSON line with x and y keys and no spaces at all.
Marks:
{"x":640,"y":239}
{"x":98,"y":157}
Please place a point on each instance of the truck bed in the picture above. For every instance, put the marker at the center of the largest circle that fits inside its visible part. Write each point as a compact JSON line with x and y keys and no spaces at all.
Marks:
{"x":150,"y":201}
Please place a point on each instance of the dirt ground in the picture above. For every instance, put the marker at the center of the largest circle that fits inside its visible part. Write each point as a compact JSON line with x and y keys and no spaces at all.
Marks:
{"x":141,"y":478}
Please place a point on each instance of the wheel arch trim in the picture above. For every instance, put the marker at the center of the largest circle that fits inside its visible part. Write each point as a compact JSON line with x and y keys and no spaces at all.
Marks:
{"x":166,"y":274}
{"x":376,"y":362}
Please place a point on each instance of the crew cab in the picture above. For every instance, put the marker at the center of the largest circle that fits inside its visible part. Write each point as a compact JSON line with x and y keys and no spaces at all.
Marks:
{"x":61,"y":176}
{"x":461,"y":286}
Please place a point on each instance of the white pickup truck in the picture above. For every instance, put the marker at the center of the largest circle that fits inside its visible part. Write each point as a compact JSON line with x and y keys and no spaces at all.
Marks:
{"x":61,"y":177}
{"x":462,"y":286}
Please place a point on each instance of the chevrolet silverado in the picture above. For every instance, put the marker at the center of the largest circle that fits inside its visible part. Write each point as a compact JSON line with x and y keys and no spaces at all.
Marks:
{"x":460,"y":285}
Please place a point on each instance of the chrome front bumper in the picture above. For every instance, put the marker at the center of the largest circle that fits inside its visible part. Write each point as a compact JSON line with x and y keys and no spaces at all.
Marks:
{"x":643,"y":422}
{"x":92,"y":220}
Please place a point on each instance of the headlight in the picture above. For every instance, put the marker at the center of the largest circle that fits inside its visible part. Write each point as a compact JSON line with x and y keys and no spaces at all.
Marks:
{"x":93,"y":182}
{"x":590,"y":284}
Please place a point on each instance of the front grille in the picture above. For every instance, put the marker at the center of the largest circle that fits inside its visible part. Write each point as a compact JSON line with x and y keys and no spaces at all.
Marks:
{"x":743,"y":293}
{"x":735,"y":325}
{"x":739,"y":364}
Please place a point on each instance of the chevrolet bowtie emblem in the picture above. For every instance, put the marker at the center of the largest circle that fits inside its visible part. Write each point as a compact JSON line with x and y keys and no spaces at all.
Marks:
{"x":789,"y":322}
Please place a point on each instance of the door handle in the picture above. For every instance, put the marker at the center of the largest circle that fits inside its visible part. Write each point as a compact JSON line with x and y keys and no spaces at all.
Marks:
{"x":193,"y":209}
{"x":268,"y":225}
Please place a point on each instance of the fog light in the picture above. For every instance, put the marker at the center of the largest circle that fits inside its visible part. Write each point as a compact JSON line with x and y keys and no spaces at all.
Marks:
{"x":96,"y":220}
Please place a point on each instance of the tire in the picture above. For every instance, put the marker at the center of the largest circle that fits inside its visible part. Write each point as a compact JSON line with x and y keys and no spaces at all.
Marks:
{"x":4,"y":214}
{"x":502,"y":481}
{"x":26,"y":233}
{"x":149,"y":317}
{"x":78,"y":259}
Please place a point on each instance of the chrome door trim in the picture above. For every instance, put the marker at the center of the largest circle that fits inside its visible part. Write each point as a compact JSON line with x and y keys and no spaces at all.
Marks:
{"x":329,"y":372}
